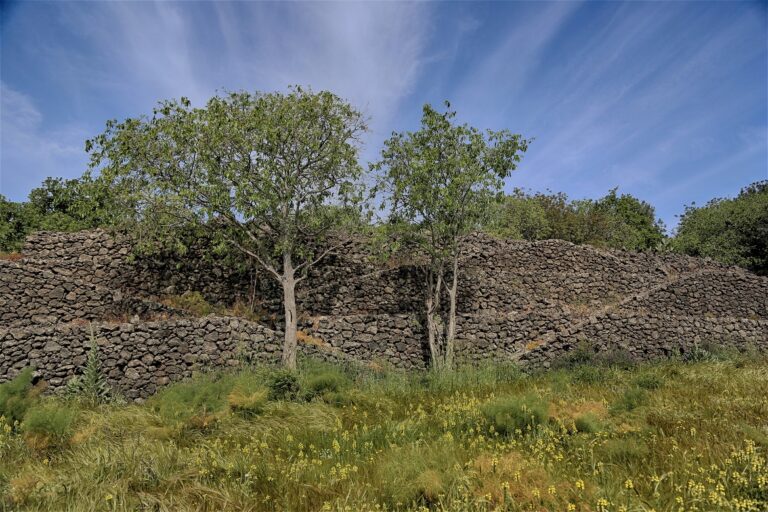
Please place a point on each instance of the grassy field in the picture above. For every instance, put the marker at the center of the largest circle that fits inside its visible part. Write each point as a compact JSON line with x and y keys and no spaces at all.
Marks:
{"x":666,"y":437}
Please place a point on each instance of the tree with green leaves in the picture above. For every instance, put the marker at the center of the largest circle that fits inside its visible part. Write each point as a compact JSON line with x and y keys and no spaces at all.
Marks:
{"x":439,"y":184}
{"x":56,"y":205}
{"x":619,"y":221}
{"x":733,"y":231}
{"x":273,"y":175}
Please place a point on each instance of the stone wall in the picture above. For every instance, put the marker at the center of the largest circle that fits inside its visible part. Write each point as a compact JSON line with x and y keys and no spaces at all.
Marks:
{"x":520,"y":301}
{"x":33,"y":293}
{"x":139,"y":357}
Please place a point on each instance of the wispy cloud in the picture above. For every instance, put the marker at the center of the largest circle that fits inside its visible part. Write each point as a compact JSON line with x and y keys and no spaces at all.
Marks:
{"x":667,"y":101}
{"x":33,"y":151}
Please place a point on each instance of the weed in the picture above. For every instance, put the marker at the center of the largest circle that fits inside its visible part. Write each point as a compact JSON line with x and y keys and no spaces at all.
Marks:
{"x":283,"y":385}
{"x":247,"y":404}
{"x":91,"y":387}
{"x":508,"y":415}
{"x":587,"y":423}
{"x":326,"y":382}
{"x":16,"y":396}
{"x":648,"y":381}
{"x":48,"y":424}
{"x":632,"y":398}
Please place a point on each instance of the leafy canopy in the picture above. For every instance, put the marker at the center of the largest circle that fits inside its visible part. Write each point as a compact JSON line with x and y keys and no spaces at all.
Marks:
{"x":615,"y":220}
{"x":442,"y":178}
{"x":272,"y":170}
{"x":733,"y":231}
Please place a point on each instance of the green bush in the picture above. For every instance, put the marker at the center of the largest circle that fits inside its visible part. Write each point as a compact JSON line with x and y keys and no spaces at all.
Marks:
{"x":208,"y":393}
{"x":631,"y":399}
{"x":589,"y":374}
{"x":509,"y":414}
{"x":50,"y":420}
{"x":247,"y":404}
{"x":283,"y":385}
{"x":16,"y":396}
{"x":587,"y":423}
{"x":648,"y":381}
{"x":192,"y":302}
{"x":326,"y":382}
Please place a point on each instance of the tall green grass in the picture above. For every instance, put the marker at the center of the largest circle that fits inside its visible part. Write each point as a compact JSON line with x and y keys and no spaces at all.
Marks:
{"x":662,"y":437}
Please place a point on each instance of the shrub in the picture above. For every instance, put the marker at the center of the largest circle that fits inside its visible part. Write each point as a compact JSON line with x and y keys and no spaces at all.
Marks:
{"x":47,"y":424}
{"x":631,"y":399}
{"x":582,"y":354}
{"x":283,"y":385}
{"x":247,"y":404}
{"x":203,"y":395}
{"x":587,"y":423}
{"x":648,"y":381}
{"x":326,"y":382}
{"x":509,"y":414}
{"x":16,"y":396}
{"x":589,"y":374}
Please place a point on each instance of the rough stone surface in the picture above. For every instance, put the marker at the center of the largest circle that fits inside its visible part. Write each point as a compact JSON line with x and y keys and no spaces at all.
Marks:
{"x":521,"y":301}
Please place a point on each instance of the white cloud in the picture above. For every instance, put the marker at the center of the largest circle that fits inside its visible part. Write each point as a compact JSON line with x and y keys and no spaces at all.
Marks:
{"x":30,"y":153}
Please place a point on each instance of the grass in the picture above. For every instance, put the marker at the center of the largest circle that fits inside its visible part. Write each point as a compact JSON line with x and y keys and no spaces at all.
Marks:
{"x":671,"y":436}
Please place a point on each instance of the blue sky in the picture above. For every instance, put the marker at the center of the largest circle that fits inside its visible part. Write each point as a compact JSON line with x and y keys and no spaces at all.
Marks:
{"x":667,"y":101}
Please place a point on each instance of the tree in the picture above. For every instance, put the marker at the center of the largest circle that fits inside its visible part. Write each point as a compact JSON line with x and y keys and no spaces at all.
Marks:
{"x":260,"y":170}
{"x":520,"y":216}
{"x":633,"y":222}
{"x":441,"y":181}
{"x":14,"y":225}
{"x":616,"y":221}
{"x":733,"y":231}
{"x":56,"y":205}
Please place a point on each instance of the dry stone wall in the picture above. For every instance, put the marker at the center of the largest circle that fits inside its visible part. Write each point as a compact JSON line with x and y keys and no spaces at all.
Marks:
{"x":520,"y":301}
{"x":139,"y":357}
{"x":31,"y":294}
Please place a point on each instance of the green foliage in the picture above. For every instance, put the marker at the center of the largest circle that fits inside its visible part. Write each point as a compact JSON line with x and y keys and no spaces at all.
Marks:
{"x":623,"y":451}
{"x":510,"y":414}
{"x":326,"y":382}
{"x":587,"y":423}
{"x":247,"y":404}
{"x":405,"y":441}
{"x":207,"y":394}
{"x":589,"y":374}
{"x":439,"y":183}
{"x":283,"y":385}
{"x":615,"y":221}
{"x":414,"y":476}
{"x":58,"y":205}
{"x":649,"y":381}
{"x":269,"y":173}
{"x":631,"y":399}
{"x":442,"y":179}
{"x":91,"y":387}
{"x":16,"y":396}
{"x":732,"y":231}
{"x":51,"y":420}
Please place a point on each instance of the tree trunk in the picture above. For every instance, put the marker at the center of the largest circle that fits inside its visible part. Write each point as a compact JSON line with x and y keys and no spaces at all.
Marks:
{"x":434,"y":322}
{"x":288,"y":281}
{"x":450,"y":335}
